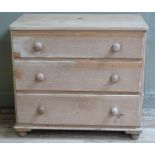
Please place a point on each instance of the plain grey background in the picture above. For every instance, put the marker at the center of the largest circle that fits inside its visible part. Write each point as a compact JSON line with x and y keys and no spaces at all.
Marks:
{"x":6,"y":82}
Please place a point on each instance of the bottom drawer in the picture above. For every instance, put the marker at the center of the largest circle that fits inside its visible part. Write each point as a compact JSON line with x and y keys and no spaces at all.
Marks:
{"x":78,"y":109}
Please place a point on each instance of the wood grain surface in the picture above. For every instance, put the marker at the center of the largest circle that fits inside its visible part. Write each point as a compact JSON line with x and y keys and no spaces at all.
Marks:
{"x":80,"y":21}
{"x":78,"y":44}
{"x":79,"y":75}
{"x":78,"y":109}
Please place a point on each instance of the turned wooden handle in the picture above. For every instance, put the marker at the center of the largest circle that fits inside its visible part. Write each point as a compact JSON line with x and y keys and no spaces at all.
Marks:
{"x":116,"y":47}
{"x":114,"y":111}
{"x":41,"y":110}
{"x":38,"y":46}
{"x":40,"y":77}
{"x":114,"y":78}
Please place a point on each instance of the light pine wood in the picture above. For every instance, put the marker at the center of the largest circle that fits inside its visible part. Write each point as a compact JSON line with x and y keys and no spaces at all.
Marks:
{"x":78,"y":109}
{"x":78,"y":72}
{"x":134,"y":134}
{"x":7,"y":134}
{"x":79,"y":22}
{"x":78,"y":44}
{"x":22,"y":133}
{"x":79,"y":75}
{"x":29,"y":127}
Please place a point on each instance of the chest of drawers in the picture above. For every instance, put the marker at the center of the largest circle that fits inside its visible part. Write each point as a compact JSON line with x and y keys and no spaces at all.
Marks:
{"x":78,"y":72}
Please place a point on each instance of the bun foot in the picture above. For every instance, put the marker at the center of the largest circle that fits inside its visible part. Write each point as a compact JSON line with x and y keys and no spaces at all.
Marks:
{"x":134,"y":136}
{"x":22,"y":133}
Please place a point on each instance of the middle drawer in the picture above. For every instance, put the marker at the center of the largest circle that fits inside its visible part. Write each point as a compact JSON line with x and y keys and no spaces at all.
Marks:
{"x":78,"y":75}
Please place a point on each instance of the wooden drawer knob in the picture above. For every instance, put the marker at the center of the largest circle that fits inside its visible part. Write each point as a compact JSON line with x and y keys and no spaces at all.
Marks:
{"x":40,"y":77}
{"x":116,"y":47}
{"x":114,"y":78}
{"x":114,"y":111}
{"x":41,"y":110}
{"x":38,"y":46}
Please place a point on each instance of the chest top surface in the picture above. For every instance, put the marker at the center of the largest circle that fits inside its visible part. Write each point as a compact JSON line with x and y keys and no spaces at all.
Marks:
{"x":79,"y":22}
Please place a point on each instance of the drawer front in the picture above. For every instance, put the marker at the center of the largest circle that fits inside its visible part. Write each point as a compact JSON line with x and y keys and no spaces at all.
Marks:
{"x":78,"y":44}
{"x":78,"y":109}
{"x":78,"y":75}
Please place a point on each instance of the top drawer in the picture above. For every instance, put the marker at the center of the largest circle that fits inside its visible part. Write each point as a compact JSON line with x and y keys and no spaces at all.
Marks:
{"x":78,"y":44}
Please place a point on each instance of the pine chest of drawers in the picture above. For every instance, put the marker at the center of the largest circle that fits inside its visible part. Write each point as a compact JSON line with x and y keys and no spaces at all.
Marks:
{"x":78,"y":72}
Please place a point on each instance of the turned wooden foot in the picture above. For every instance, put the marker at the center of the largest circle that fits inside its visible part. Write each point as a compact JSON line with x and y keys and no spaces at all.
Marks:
{"x":134,"y":134}
{"x":22,"y":133}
